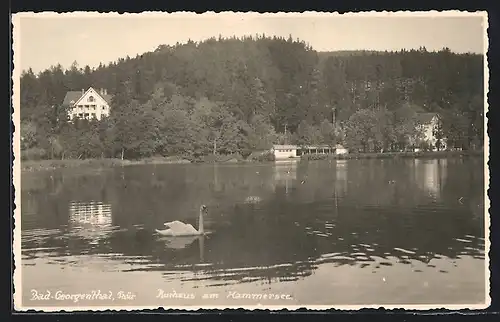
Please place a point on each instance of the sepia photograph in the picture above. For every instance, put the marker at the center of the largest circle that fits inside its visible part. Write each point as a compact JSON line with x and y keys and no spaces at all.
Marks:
{"x":250,"y":160}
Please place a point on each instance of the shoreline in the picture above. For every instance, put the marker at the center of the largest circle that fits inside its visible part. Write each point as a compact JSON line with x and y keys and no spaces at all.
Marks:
{"x":44,"y":165}
{"x":391,"y":155}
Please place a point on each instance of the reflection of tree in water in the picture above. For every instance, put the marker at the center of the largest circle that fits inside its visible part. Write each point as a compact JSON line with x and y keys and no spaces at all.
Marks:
{"x":343,"y":213}
{"x":290,"y":244}
{"x":271,"y":247}
{"x":38,"y":195}
{"x":185,"y":188}
{"x":49,"y":195}
{"x":463,"y":189}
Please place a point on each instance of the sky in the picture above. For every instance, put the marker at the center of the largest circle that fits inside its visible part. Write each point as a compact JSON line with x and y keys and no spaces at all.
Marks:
{"x":42,"y":40}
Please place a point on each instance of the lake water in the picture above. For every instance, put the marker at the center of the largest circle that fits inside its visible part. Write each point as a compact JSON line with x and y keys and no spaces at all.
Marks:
{"x":357,"y":232}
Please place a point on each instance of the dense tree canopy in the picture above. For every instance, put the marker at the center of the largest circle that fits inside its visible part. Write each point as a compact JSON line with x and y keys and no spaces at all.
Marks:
{"x":235,"y":95}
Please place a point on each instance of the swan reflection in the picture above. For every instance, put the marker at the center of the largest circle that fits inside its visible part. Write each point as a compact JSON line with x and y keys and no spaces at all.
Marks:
{"x":178,"y":243}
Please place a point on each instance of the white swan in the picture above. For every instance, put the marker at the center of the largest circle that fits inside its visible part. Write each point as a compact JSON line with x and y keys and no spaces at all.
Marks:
{"x":179,"y":229}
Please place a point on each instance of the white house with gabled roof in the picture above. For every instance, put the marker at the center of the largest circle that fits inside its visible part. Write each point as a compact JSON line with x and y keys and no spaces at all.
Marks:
{"x":428,"y":124}
{"x":88,"y":104}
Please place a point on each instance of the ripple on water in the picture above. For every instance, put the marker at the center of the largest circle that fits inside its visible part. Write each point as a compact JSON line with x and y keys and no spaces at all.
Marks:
{"x":364,"y":258}
{"x":404,"y":250}
{"x":472,"y":248}
{"x":40,"y":249}
{"x":463,"y":240}
{"x":40,"y":232}
{"x":329,"y":255}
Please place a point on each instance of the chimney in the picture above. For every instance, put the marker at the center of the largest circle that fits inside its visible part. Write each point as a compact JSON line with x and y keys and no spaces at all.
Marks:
{"x":105,"y":91}
{"x":101,"y":91}
{"x":83,"y":91}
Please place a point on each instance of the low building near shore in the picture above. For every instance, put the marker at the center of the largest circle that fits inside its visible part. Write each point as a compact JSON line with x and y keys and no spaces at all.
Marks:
{"x":285,"y":151}
{"x":340,"y":149}
{"x":294,"y":151}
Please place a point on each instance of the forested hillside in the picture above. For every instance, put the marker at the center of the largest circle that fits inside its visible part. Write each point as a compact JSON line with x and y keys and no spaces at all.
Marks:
{"x":239,"y":95}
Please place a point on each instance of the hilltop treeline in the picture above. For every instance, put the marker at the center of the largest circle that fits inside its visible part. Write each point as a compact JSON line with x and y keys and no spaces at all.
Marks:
{"x":237,"y":95}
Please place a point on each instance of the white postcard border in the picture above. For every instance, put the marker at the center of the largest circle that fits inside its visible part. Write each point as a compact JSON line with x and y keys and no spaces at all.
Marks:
{"x":17,"y":276}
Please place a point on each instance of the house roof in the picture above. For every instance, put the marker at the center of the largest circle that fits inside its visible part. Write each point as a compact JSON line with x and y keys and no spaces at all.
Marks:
{"x":418,"y":108}
{"x":74,"y":96}
{"x":285,"y":147}
{"x":425,"y":118}
{"x":107,"y":97}
{"x":296,"y":147}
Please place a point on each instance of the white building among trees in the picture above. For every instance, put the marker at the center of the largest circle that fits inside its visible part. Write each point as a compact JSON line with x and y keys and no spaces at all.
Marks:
{"x":429,"y":126}
{"x":88,"y":104}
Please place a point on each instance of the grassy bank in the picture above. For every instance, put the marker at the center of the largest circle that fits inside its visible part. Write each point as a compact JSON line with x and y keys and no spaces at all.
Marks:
{"x":392,"y":155}
{"x":38,"y":165}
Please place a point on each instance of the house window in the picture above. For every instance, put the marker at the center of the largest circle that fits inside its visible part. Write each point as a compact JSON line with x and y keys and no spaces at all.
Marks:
{"x":92,"y":114}
{"x":91,"y":99}
{"x":86,"y":115}
{"x":80,"y":114}
{"x":93,"y":107}
{"x":87,"y":106}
